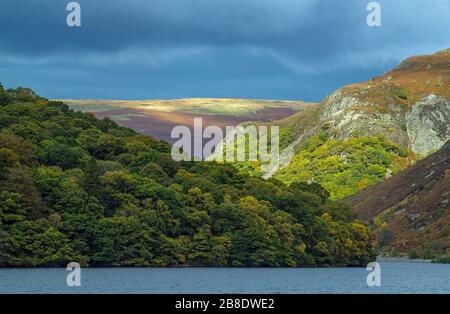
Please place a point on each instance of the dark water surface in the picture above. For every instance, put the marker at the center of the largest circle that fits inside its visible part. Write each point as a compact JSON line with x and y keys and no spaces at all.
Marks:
{"x":396,"y":277}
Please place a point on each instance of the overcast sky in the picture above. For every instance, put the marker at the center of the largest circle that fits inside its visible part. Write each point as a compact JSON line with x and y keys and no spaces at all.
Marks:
{"x":151,"y":49}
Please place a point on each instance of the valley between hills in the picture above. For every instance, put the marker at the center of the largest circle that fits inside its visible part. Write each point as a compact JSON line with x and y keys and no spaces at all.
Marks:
{"x":364,"y":144}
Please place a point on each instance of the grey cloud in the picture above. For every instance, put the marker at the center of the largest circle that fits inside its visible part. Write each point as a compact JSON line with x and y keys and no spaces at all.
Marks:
{"x":238,"y":47}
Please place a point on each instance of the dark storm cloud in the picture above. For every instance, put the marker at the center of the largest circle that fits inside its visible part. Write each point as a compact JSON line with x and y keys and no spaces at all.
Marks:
{"x":186,"y":48}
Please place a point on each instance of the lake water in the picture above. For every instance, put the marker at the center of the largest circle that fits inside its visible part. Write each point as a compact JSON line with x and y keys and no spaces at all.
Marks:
{"x":396,"y":277}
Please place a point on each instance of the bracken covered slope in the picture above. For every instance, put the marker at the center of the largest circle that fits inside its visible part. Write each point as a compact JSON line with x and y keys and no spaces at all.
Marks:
{"x":411,"y":209}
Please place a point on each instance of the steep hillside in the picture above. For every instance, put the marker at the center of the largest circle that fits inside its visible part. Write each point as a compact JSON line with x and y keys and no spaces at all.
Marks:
{"x":409,"y":105}
{"x":411,"y":210}
{"x":344,"y":167}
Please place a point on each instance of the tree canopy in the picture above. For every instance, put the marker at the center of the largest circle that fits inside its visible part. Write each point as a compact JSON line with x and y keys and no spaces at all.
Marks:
{"x":75,"y":188}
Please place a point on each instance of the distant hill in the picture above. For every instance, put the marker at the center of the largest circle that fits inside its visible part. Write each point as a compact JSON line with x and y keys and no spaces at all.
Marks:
{"x":411,"y":210}
{"x":157,"y":117}
{"x":211,"y":106}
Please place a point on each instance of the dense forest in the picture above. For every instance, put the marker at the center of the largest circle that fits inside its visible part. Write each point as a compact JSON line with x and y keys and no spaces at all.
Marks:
{"x":344,"y":167}
{"x":75,"y":188}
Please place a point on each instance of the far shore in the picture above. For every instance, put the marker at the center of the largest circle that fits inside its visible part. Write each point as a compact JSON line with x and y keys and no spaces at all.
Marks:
{"x":402,"y":259}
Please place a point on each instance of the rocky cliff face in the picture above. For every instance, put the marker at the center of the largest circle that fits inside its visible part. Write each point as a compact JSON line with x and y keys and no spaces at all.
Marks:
{"x":422,"y":127}
{"x":427,"y":124}
{"x":410,"y":106}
